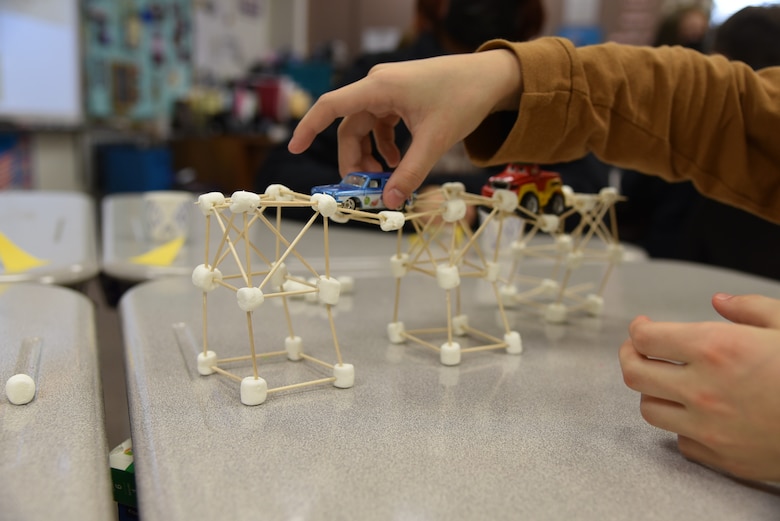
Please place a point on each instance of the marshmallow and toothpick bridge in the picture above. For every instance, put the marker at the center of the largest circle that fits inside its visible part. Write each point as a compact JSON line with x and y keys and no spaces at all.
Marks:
{"x":445,"y":247}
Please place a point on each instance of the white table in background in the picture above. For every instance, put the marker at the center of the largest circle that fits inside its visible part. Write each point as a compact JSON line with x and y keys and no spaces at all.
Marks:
{"x":53,"y":450}
{"x":47,"y":237}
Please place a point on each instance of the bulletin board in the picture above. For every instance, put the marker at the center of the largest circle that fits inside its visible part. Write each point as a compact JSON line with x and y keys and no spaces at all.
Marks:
{"x":137,"y":56}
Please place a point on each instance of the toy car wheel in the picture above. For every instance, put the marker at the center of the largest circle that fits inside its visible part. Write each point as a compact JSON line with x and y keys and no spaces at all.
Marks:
{"x":556,"y":205}
{"x":530,"y":202}
{"x":350,"y":204}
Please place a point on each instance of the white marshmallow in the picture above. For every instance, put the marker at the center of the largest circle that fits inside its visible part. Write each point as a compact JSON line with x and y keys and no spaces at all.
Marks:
{"x":207,"y":202}
{"x":329,"y":290}
{"x":492,"y":270}
{"x":390,"y":220}
{"x":279,"y":192}
{"x":450,"y":353}
{"x":325,"y":204}
{"x":555,"y":313}
{"x":20,"y":389}
{"x":395,"y":332}
{"x":514,"y":344}
{"x":448,"y":277}
{"x":548,"y":223}
{"x":460,"y":324}
{"x":243,"y":202}
{"x":294,"y":347}
{"x":347,"y":284}
{"x":454,"y":210}
{"x":505,"y":200}
{"x":453,"y":189}
{"x":205,"y":278}
{"x":206,"y":362}
{"x":399,"y":264}
{"x":250,"y":298}
{"x":254,"y":391}
{"x":574,"y":260}
{"x":518,"y":249}
{"x":608,"y":194}
{"x":568,"y":195}
{"x":345,"y":375}
{"x":564,"y":243}
{"x":340,"y":217}
{"x":549,"y":287}
{"x":594,"y":305}
{"x":279,"y":276}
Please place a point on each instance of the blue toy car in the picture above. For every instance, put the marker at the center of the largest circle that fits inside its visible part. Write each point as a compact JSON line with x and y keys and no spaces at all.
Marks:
{"x":358,"y":191}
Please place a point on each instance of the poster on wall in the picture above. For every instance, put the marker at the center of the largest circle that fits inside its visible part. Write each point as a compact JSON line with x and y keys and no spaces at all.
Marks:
{"x":137,"y":56}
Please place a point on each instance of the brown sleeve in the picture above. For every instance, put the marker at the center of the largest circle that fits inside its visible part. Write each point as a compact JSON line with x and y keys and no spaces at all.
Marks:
{"x":666,"y":111}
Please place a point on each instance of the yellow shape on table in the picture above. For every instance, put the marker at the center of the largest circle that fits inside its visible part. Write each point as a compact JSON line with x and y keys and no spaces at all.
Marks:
{"x":15,"y":259}
{"x":162,"y":255}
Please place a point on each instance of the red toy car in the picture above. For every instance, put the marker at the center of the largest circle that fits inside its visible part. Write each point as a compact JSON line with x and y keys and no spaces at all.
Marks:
{"x":536,"y":189}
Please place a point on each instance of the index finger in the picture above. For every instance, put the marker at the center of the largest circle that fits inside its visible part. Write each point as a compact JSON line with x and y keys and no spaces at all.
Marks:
{"x":350,"y":99}
{"x":670,"y":341}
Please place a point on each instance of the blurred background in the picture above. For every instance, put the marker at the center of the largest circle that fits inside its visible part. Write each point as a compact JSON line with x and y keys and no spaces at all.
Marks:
{"x":106,"y":96}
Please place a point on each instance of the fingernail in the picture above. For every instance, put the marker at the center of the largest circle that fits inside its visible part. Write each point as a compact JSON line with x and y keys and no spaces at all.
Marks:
{"x":722,"y":296}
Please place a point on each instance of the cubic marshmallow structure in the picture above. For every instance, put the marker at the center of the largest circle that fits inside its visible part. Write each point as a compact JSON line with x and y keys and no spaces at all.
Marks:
{"x":265,"y":277}
{"x":592,"y":240}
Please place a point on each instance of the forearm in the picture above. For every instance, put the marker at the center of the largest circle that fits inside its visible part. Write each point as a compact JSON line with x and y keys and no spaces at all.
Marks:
{"x":669,"y":112}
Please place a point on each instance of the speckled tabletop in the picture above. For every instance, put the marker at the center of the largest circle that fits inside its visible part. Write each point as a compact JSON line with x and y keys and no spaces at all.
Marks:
{"x":552,"y":433}
{"x":53,"y":450}
{"x":47,"y":237}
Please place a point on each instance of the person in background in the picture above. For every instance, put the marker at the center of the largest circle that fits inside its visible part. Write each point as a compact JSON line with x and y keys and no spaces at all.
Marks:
{"x":441,"y":27}
{"x":716,"y":233}
{"x":670,"y":111}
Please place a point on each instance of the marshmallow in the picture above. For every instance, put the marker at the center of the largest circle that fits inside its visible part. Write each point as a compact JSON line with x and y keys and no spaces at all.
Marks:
{"x":454,"y":210}
{"x":207,"y":202}
{"x":395,"y":332}
{"x":448,"y":277}
{"x":555,"y":313}
{"x":492,"y":270}
{"x":505,"y":200}
{"x":453,"y":189}
{"x":294,"y":347}
{"x":205,"y":278}
{"x":278,"y":192}
{"x":518,"y":249}
{"x":325,"y":204}
{"x":450,"y":353}
{"x":206,"y":362}
{"x":329,"y":290}
{"x":564,"y":243}
{"x":548,"y":223}
{"x":574,"y":260}
{"x":399,"y":264}
{"x":390,"y":220}
{"x":594,"y":305}
{"x":616,"y":253}
{"x":20,"y":389}
{"x":345,"y":375}
{"x":339,"y":217}
{"x":254,"y":391}
{"x":460,"y":324}
{"x":279,"y":276}
{"x":514,"y":344}
{"x":243,"y":202}
{"x":347,"y":284}
{"x":250,"y":298}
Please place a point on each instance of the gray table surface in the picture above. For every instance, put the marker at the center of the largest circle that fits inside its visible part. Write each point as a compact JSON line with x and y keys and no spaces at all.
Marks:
{"x":56,"y":227}
{"x":552,"y":433}
{"x":53,"y":450}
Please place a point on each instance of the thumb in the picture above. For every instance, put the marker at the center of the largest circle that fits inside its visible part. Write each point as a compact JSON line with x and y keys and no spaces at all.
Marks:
{"x":410,"y":172}
{"x":751,"y":310}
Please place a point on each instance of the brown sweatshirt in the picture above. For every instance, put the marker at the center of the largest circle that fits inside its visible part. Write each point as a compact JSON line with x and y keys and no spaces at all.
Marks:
{"x":666,"y":111}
